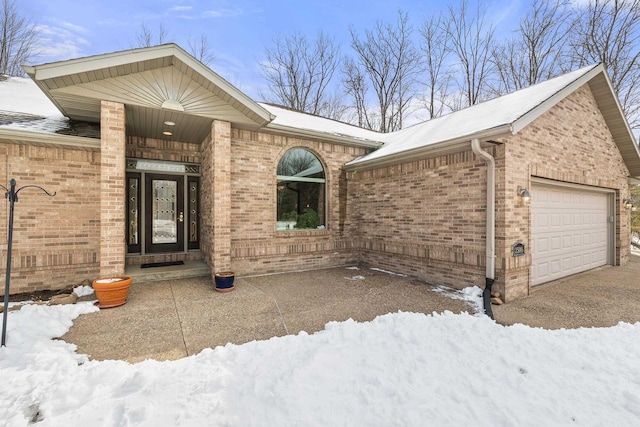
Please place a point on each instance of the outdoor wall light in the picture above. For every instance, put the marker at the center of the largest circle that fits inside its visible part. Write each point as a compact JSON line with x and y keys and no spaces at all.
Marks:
{"x":627,"y":203}
{"x":524,"y":195}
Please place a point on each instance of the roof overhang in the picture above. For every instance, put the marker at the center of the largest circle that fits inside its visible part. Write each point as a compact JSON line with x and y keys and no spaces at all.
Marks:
{"x":323,"y":136}
{"x":156,"y":84}
{"x":40,"y":139}
{"x":608,"y":104}
{"x":432,"y":150}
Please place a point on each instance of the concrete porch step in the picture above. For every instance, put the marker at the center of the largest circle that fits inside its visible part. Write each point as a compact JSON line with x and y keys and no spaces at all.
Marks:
{"x":172,"y":272}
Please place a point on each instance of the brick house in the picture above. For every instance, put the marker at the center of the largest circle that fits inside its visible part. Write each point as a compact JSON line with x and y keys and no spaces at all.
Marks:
{"x":154,"y":157}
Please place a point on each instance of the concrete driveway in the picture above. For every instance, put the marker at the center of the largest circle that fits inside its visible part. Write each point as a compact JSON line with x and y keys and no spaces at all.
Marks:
{"x":176,"y":318}
{"x":600,"y":297}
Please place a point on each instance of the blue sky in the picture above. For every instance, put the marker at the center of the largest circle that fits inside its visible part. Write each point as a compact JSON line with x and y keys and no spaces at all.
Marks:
{"x":238,"y":30}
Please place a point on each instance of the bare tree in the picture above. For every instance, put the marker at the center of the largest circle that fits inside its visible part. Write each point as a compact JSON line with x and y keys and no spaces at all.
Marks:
{"x":536,"y":51}
{"x":387,"y":61}
{"x":356,"y":86}
{"x":299,"y":73}
{"x":470,"y":41}
{"x":146,"y":37}
{"x":201,"y":49}
{"x":608,"y":31}
{"x":437,"y":77}
{"x":18,"y":38}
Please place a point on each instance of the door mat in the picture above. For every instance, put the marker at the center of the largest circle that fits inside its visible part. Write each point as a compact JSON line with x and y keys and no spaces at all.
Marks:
{"x":161,"y":264}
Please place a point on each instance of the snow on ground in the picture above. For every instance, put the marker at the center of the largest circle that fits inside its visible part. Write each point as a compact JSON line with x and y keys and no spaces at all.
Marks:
{"x":471,"y":294}
{"x":401,"y":369}
{"x":387,"y":272}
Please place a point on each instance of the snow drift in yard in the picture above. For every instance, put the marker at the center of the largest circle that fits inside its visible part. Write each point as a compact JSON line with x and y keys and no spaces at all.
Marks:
{"x":400,"y":369}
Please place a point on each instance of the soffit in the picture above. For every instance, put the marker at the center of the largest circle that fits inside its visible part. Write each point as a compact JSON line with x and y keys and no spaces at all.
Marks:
{"x":156,"y":84}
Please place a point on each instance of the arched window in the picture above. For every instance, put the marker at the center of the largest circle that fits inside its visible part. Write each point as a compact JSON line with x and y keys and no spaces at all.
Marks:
{"x":301,"y":191}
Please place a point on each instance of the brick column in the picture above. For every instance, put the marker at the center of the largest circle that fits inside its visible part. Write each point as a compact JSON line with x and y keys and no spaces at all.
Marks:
{"x":221,"y":147}
{"x":112,"y":189}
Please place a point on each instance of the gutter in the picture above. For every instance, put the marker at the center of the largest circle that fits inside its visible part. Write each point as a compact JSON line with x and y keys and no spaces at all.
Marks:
{"x":491,"y":224}
{"x":44,"y":139}
{"x":443,"y":147}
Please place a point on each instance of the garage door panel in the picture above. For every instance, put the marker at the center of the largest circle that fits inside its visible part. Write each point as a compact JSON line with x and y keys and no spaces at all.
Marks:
{"x":569,"y":231}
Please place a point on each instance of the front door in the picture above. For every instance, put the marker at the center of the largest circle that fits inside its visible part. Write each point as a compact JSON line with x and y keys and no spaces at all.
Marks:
{"x":164,"y":207}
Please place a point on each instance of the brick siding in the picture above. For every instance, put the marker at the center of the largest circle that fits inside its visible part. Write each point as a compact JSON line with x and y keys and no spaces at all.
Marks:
{"x":569,"y":143}
{"x":55,"y":239}
{"x":425,"y":218}
{"x":256,"y":246}
{"x":112,"y":189}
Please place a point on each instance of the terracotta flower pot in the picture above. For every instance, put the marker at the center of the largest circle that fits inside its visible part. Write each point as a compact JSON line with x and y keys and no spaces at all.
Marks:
{"x":224,"y":281}
{"x":112,"y":291}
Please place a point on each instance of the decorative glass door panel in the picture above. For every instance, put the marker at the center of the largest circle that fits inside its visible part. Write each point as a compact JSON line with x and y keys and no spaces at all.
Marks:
{"x":133,"y":213}
{"x":164,"y":213}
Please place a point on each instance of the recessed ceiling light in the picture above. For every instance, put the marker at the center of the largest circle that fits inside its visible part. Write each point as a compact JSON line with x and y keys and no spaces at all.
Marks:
{"x":166,"y":132}
{"x":168,"y":123}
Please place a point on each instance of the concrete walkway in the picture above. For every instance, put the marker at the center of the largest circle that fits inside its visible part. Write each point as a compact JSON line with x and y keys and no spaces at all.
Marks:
{"x":171,"y":319}
{"x":601,"y":297}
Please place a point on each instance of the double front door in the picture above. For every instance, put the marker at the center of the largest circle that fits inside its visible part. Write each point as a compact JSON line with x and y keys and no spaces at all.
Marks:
{"x":161,"y":211}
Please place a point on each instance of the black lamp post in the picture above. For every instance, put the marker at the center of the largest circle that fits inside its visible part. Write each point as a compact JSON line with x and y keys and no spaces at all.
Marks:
{"x":12,"y":195}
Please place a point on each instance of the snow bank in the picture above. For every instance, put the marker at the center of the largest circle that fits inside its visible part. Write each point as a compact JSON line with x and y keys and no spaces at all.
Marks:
{"x":400,"y":369}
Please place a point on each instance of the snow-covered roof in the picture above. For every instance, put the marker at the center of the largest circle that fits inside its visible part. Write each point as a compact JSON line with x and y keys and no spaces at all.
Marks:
{"x":507,"y":114}
{"x":24,"y":106}
{"x":492,"y":117}
{"x":295,"y":121}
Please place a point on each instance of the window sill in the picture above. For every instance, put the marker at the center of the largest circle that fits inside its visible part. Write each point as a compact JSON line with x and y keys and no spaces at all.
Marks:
{"x":302,"y":233}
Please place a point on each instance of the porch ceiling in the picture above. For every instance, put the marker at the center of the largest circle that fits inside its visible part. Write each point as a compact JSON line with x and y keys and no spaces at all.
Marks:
{"x":157,"y":84}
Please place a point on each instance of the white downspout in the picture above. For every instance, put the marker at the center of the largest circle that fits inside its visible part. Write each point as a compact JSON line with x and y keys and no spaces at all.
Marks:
{"x":491,"y":223}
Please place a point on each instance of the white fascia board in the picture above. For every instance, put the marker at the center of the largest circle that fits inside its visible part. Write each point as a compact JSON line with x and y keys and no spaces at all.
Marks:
{"x":542,"y":108}
{"x":96,"y":62}
{"x":311,"y":134}
{"x":444,"y":147}
{"x":632,"y":137}
{"x":41,"y":138}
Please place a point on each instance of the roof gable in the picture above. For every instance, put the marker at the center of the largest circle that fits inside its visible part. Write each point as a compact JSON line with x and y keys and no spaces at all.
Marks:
{"x":504,"y":115}
{"x":153,"y":83}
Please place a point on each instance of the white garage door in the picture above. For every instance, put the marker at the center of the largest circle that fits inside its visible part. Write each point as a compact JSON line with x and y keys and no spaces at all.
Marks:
{"x":569,"y":231}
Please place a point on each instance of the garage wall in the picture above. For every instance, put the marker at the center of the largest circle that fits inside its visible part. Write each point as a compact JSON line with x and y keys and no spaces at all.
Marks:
{"x":569,"y":143}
